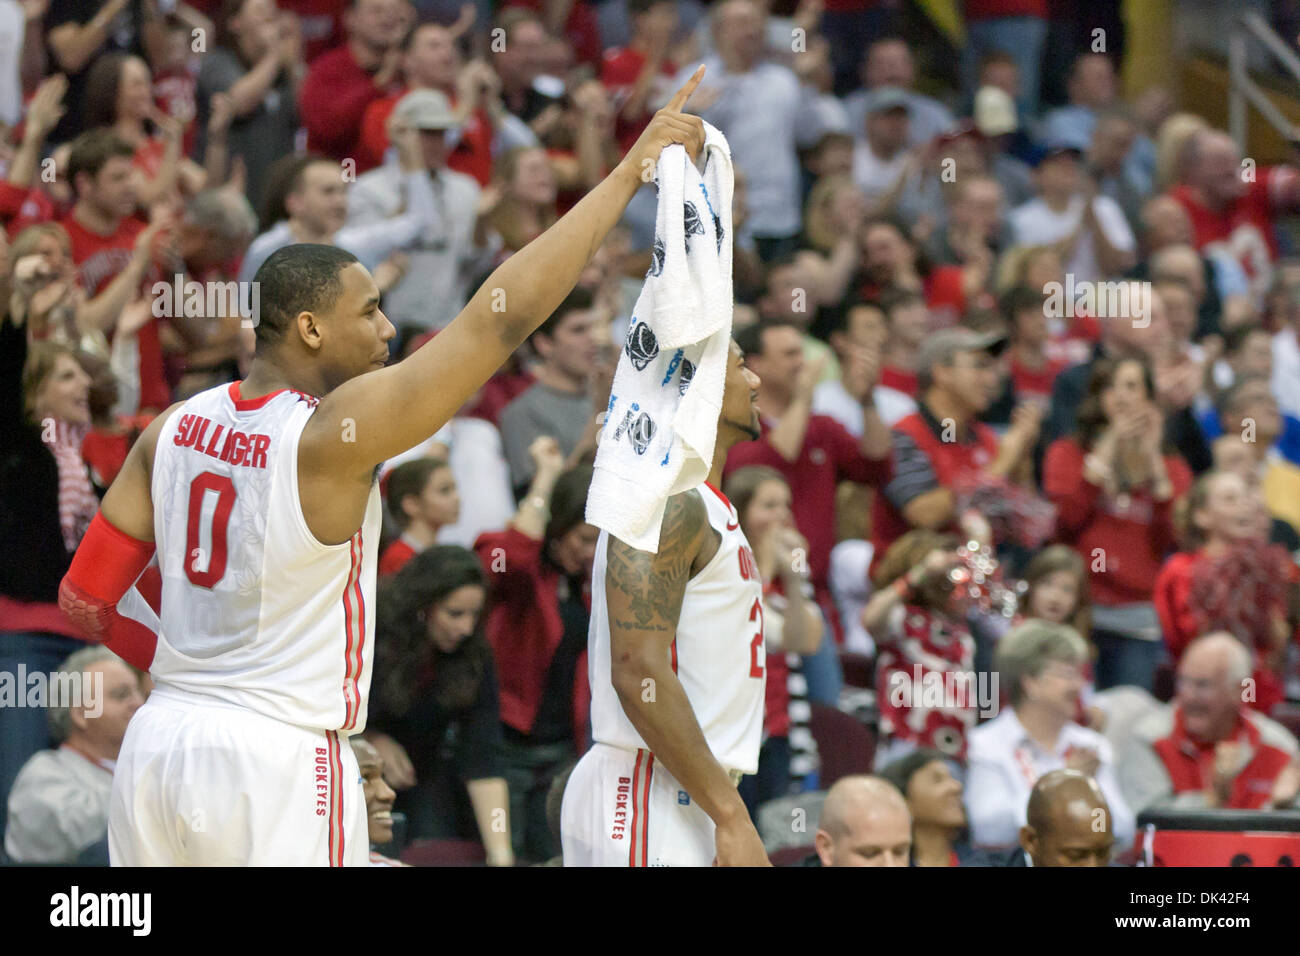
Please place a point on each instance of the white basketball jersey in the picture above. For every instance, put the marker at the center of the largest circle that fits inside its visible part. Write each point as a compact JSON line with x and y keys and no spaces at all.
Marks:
{"x":255,"y":611}
{"x":718,"y":654}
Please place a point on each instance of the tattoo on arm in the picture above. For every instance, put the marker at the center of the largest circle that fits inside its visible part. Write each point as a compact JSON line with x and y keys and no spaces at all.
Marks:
{"x":645,"y":590}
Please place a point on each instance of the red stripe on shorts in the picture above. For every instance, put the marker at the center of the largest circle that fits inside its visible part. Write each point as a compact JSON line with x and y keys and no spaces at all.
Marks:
{"x":636,"y":777}
{"x":336,"y":802}
{"x":645,"y":803}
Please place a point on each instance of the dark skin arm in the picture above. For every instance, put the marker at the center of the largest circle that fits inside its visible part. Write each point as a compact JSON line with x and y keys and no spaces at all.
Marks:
{"x":644,"y":593}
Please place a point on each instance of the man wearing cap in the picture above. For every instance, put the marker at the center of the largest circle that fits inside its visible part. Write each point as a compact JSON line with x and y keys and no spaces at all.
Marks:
{"x":880,"y":154}
{"x":942,"y":444}
{"x":445,"y":255}
{"x":315,"y":209}
{"x":1094,"y":238}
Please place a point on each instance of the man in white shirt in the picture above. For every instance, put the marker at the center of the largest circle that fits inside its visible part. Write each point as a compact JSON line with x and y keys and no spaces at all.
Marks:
{"x":1091,"y":230}
{"x":58,"y":807}
{"x":444,"y":257}
{"x":316,"y":205}
{"x":880,"y":153}
{"x":1039,"y":664}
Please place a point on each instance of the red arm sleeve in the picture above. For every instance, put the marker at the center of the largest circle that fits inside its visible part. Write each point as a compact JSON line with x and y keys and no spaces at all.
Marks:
{"x":1063,"y":483}
{"x":107,"y":563}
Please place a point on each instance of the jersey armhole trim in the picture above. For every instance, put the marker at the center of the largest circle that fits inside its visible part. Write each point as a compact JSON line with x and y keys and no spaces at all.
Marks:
{"x":299,"y":518}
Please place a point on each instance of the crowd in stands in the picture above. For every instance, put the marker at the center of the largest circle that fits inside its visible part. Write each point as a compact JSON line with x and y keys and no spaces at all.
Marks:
{"x":1030,"y":361}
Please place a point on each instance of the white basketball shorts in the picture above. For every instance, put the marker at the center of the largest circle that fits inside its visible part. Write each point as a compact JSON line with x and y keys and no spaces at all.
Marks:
{"x":201,"y":782}
{"x":623,"y":808}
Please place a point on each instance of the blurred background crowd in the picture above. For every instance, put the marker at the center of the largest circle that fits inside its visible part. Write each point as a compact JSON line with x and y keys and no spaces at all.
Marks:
{"x":1006,"y":245}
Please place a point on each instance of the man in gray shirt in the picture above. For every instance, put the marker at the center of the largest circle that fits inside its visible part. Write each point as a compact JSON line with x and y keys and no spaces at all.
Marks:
{"x":558,"y":403}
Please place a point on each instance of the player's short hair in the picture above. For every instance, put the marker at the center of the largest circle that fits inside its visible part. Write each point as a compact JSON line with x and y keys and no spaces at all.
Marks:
{"x":91,"y":152}
{"x":303,"y":277}
{"x":576,"y":301}
{"x":60,"y":717}
{"x":409,"y":478}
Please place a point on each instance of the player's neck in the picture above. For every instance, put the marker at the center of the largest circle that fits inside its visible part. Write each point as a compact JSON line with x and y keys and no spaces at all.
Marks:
{"x":265,"y":377}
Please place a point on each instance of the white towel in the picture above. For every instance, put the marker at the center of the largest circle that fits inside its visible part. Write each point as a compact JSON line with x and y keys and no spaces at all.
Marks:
{"x":662,"y":417}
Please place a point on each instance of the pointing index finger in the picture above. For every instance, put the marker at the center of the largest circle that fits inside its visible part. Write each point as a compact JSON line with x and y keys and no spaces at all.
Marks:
{"x":678,"y":102}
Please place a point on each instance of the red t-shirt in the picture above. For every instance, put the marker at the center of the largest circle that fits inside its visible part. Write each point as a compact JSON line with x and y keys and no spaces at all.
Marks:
{"x":332,"y":100}
{"x":100,"y":258}
{"x":1133,"y":532}
{"x":776,"y":694}
{"x":1034,"y":383}
{"x":20,"y":208}
{"x":899,"y":379}
{"x":618,"y":72}
{"x":996,"y":9}
{"x":174,"y":94}
{"x":1243,"y":230}
{"x":829,"y":455}
{"x":321,"y":22}
{"x":395,"y":557}
{"x":581,"y":29}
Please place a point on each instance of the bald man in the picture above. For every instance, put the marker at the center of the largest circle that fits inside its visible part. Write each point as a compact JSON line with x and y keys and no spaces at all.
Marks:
{"x":1234,"y":207}
{"x":1069,"y":823}
{"x":1208,"y":748}
{"x":865,"y":822}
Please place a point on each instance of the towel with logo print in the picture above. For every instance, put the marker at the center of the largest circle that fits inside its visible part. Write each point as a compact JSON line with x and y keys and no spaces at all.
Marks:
{"x":662,"y":418}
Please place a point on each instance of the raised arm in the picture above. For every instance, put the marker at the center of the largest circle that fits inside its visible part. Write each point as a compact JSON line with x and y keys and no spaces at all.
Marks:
{"x":398,"y":407}
{"x":644,"y":593}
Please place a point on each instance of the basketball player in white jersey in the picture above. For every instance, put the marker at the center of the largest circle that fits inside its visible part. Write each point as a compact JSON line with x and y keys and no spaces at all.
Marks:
{"x":677,"y":674}
{"x":260,"y":498}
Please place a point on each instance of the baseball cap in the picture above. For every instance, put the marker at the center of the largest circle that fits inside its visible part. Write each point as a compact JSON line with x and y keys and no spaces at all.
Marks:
{"x":942,"y":346}
{"x":885,"y":98}
{"x":426,"y":109}
{"x":995,"y":111}
{"x":1060,"y":145}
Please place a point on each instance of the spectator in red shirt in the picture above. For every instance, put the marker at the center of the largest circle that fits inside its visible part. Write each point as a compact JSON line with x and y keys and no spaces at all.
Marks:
{"x":793,"y":625}
{"x":430,"y":60}
{"x":578,"y":26}
{"x":890,"y":261}
{"x":23,"y":200}
{"x":813,"y":452}
{"x":422,"y":498}
{"x":942,"y":446}
{"x":343,"y":82}
{"x":1114,"y":483}
{"x":1229,"y":214}
{"x":539,"y":610}
{"x":1233,"y":581}
{"x":111,"y":248}
{"x":1032,"y":371}
{"x":631,"y":73}
{"x":1207,"y":748}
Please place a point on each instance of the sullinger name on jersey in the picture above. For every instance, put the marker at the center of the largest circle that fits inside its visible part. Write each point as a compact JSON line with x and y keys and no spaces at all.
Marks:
{"x":239,"y":448}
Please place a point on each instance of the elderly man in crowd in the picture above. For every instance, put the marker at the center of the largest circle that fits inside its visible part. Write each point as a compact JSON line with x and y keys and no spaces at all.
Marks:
{"x":1208,"y":748}
{"x":865,"y":822}
{"x":58,"y":807}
